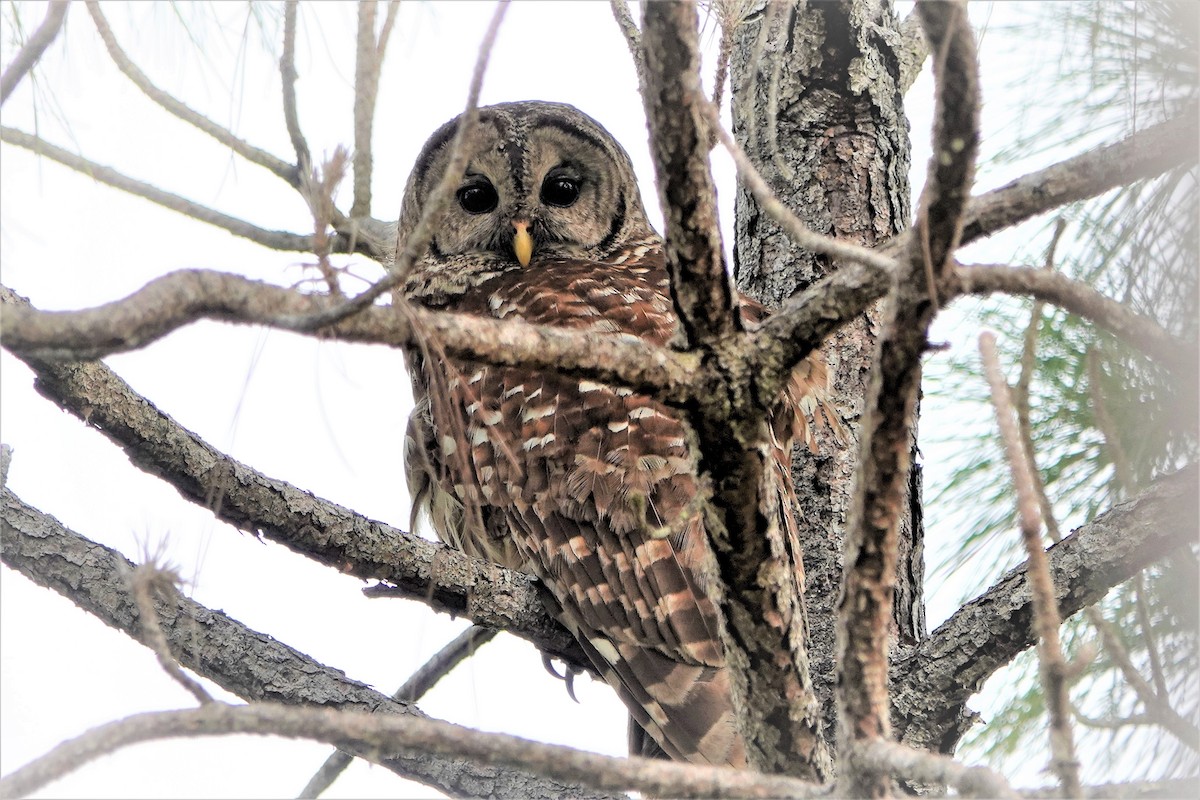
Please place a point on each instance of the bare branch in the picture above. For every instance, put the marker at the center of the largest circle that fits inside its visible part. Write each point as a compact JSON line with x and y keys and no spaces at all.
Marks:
{"x":871,"y":545}
{"x":385,"y":33}
{"x":934,"y":683}
{"x":375,"y":734}
{"x":175,"y":299}
{"x":1079,"y":298}
{"x":679,"y":143}
{"x":146,"y":580}
{"x":1052,"y":665}
{"x":287,"y":73}
{"x":252,"y":665}
{"x":912,"y":50}
{"x":633,"y":36}
{"x":226,"y":137}
{"x":894,"y":759}
{"x":275,"y":240}
{"x":440,"y":577}
{"x":1134,"y":790}
{"x":31,"y":52}
{"x":417,"y":241}
{"x":1139,"y":156}
{"x":791,"y":224}
{"x":420,"y":682}
{"x":366,"y":90}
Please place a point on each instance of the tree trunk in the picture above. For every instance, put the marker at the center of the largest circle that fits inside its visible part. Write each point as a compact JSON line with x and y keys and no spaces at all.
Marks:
{"x":818,"y":107}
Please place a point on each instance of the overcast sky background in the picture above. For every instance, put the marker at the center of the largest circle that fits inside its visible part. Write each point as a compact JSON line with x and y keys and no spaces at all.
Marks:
{"x":323,"y":416}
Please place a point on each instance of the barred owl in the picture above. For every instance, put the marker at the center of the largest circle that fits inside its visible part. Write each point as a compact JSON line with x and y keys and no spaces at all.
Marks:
{"x":588,"y":486}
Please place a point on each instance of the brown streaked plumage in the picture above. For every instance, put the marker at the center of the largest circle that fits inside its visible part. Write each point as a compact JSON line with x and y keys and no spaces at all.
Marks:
{"x":591,"y":487}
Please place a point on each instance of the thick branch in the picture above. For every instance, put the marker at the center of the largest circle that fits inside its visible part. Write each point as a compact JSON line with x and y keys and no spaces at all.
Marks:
{"x":374,"y":735}
{"x":31,"y":52}
{"x":179,"y":298}
{"x":679,"y":143}
{"x":932,"y":686}
{"x":444,"y":579}
{"x":252,"y":665}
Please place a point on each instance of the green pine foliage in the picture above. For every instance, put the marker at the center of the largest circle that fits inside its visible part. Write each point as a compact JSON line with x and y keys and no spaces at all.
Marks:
{"x":1122,"y":67}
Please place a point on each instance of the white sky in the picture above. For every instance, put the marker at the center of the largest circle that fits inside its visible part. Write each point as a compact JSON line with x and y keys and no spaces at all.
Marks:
{"x":326,"y":417}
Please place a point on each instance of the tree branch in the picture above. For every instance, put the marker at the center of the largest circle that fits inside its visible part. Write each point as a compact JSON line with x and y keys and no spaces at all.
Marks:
{"x":275,"y":240}
{"x":1082,"y":300}
{"x":1052,"y":666}
{"x":932,"y":685}
{"x":226,"y":137}
{"x":366,"y":90}
{"x":1139,"y":156}
{"x":374,"y":735}
{"x":440,"y":577}
{"x":178,"y":298}
{"x":914,"y":765}
{"x":672,"y":96}
{"x":443,"y":662}
{"x":31,"y":52}
{"x":288,"y":75}
{"x":879,"y":502}
{"x":252,"y":665}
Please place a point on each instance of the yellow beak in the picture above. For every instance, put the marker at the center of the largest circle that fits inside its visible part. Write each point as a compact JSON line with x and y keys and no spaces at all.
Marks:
{"x":523,"y":243}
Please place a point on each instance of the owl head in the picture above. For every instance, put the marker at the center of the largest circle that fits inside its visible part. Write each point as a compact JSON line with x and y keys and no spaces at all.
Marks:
{"x":543,"y":180}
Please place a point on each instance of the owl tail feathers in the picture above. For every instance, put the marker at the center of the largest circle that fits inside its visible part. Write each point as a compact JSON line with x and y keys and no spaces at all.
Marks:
{"x":677,"y":710}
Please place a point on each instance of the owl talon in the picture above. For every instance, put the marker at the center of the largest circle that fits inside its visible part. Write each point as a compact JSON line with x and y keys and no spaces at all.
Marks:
{"x":567,"y":676}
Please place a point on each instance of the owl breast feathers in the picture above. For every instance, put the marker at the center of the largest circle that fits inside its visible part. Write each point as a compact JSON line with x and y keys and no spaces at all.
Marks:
{"x":592,"y":488}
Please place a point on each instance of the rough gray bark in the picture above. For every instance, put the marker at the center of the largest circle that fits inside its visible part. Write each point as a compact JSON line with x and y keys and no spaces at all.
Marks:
{"x":836,"y":152}
{"x":250,"y":664}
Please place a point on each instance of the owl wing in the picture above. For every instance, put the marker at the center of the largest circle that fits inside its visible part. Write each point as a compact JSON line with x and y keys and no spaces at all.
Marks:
{"x":599,"y":492}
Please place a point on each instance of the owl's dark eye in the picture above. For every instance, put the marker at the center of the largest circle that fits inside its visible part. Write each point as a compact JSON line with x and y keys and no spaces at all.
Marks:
{"x":560,"y":190}
{"x":478,"y":197}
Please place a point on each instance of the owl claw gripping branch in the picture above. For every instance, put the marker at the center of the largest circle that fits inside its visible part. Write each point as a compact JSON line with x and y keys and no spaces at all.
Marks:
{"x":591,"y":487}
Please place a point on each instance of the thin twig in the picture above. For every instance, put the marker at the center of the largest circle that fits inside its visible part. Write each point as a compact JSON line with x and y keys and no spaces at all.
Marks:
{"x":463,"y":646}
{"x":1025,"y":379}
{"x":145,"y":581}
{"x":366,"y":90}
{"x":1046,"y":620}
{"x":226,"y":137}
{"x":416,"y":243}
{"x":1139,"y":331}
{"x":725,"y":16}
{"x":319,"y":188}
{"x":31,"y":52}
{"x":791,"y":224}
{"x":376,"y":734}
{"x":275,"y":240}
{"x":385,"y":33}
{"x":288,"y":75}
{"x":633,"y":36}
{"x":213,"y":645}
